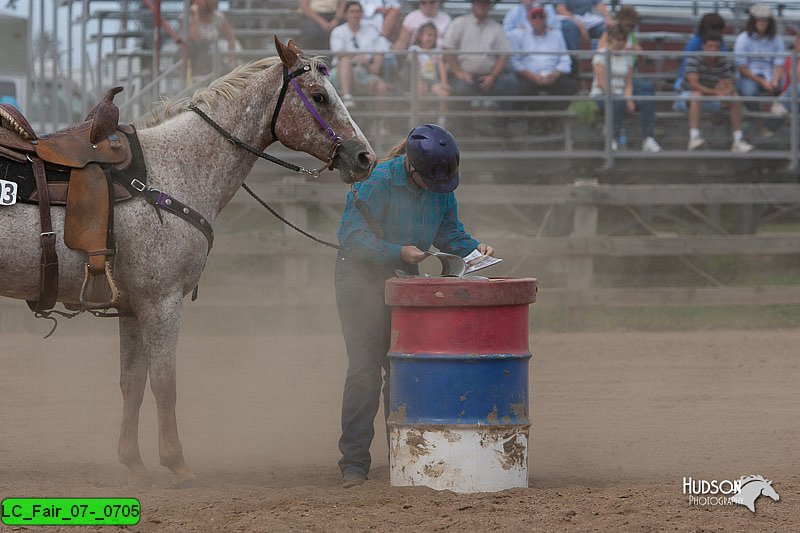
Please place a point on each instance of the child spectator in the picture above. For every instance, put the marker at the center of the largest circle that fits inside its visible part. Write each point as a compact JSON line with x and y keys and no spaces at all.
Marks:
{"x":709,"y":23}
{"x":622,"y":89}
{"x":759,"y":75}
{"x":712,"y":76}
{"x":428,"y":12}
{"x":431,"y":70}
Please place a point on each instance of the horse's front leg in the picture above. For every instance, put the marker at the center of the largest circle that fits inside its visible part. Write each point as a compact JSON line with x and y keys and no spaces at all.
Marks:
{"x":133,"y":365}
{"x":159,"y":324}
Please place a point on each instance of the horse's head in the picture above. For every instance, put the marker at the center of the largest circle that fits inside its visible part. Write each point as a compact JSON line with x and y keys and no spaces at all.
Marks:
{"x":312,"y":118}
{"x":768,"y":491}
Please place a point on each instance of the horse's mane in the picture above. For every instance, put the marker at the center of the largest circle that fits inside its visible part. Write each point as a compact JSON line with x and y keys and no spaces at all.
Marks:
{"x":225,"y":88}
{"x":747,"y":479}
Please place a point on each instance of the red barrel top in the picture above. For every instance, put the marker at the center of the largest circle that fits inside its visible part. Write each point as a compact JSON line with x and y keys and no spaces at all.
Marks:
{"x":454,"y":292}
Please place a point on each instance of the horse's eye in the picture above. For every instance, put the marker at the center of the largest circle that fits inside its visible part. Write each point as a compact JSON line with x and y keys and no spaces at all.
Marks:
{"x":318,"y":98}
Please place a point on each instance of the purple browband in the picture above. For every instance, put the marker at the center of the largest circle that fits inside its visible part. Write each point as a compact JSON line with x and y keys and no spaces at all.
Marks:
{"x":313,"y":111}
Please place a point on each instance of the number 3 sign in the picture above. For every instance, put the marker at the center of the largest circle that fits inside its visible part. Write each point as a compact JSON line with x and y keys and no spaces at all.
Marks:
{"x":8,"y":192}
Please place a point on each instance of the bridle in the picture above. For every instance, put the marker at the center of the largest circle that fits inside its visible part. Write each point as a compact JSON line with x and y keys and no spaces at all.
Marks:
{"x":290,"y":78}
{"x":287,"y":79}
{"x":337,"y":141}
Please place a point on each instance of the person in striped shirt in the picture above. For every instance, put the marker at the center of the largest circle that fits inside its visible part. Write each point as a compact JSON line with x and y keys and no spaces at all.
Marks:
{"x":712,"y":76}
{"x":406,"y":205}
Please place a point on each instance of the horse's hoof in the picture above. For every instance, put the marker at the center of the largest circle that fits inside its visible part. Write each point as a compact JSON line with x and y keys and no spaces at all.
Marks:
{"x":141,"y":480}
{"x":184,"y":481}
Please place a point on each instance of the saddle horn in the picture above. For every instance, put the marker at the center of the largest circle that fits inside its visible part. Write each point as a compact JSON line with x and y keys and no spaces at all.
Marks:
{"x":104,"y":116}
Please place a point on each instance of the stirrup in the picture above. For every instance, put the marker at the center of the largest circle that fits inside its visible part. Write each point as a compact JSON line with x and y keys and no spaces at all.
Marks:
{"x":111,"y":285}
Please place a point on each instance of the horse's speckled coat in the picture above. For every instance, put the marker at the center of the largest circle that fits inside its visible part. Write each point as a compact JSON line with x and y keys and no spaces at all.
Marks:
{"x":159,"y":263}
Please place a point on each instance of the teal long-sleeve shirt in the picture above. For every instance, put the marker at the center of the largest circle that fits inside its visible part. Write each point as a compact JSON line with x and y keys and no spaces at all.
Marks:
{"x":405,"y":214}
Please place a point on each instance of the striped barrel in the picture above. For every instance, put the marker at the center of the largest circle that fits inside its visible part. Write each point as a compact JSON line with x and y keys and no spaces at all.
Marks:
{"x":459,"y":383}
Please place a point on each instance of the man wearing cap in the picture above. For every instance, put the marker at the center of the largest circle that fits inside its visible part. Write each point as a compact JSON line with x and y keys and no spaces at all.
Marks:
{"x":539,"y":72}
{"x":475,"y":74}
{"x":517,"y":17}
{"x":389,"y":221}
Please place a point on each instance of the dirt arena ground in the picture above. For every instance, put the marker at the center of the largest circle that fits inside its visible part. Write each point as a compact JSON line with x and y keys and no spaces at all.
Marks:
{"x":618,"y":420}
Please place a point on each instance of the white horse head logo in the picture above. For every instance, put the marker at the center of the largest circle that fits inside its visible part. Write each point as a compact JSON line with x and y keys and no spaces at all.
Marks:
{"x":751,"y":488}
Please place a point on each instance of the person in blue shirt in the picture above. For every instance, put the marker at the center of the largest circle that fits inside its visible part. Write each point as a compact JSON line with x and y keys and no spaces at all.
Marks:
{"x":541,"y":73}
{"x":389,"y":221}
{"x":516,"y":18}
{"x":759,"y":75}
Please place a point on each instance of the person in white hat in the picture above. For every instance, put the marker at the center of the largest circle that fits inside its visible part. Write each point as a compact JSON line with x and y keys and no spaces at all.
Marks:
{"x":759,"y":75}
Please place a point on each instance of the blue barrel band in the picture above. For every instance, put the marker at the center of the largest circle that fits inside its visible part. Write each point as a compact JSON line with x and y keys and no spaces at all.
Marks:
{"x":462,"y":390}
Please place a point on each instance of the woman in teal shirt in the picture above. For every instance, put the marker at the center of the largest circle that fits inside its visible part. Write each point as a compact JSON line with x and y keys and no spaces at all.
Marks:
{"x":390,"y":219}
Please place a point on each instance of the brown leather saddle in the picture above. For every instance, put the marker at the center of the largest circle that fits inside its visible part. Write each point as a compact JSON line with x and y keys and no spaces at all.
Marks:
{"x":86,"y":151}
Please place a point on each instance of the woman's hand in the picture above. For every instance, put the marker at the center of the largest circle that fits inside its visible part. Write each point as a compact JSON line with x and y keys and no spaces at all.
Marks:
{"x":485,"y":249}
{"x":412,"y":254}
{"x":630,"y":105}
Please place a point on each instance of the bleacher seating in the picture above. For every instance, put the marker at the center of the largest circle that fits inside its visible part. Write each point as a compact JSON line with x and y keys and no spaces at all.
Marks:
{"x":665,"y":27}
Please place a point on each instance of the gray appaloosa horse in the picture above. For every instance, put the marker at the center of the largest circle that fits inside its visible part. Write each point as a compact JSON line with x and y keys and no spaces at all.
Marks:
{"x":157,"y":262}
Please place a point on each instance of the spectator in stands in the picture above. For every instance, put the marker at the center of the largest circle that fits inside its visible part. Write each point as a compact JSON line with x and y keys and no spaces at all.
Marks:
{"x":709,"y":23}
{"x":541,"y":73}
{"x":759,"y":75}
{"x":517,"y":17}
{"x":356,"y":72}
{"x":786,"y":88}
{"x":319,"y":19}
{"x":207,"y":27}
{"x":581,"y":22}
{"x":431,"y":70}
{"x":428,"y":12}
{"x":473,"y":74}
{"x":384,"y":15}
{"x":622,"y":89}
{"x":628,"y":18}
{"x":712,"y":76}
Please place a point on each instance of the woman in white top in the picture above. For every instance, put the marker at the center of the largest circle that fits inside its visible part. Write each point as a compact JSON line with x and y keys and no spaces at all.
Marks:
{"x":428,"y":12}
{"x":622,"y":89}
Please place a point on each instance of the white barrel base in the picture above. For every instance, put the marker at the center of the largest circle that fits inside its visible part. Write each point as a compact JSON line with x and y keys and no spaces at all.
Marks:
{"x":460,"y":459}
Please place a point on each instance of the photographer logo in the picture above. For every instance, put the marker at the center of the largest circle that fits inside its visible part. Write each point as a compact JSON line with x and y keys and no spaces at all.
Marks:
{"x":743,"y":491}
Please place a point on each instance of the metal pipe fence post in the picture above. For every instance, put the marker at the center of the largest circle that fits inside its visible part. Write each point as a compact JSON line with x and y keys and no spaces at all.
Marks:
{"x":793,"y":118}
{"x":54,"y":108}
{"x":609,"y":114}
{"x":413,"y":74}
{"x":84,"y":62}
{"x":100,"y":19}
{"x":69,"y":41}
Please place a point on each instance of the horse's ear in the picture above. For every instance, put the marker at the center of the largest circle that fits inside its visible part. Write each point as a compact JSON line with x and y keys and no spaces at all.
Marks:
{"x":294,"y":48}
{"x":288,"y":56}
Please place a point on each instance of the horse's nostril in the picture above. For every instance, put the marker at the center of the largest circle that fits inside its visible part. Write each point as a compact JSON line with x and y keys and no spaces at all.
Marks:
{"x":365,"y":159}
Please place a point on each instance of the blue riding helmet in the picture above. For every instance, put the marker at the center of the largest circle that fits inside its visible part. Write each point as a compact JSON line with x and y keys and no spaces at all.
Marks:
{"x":433,"y":152}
